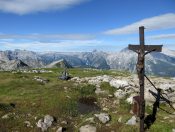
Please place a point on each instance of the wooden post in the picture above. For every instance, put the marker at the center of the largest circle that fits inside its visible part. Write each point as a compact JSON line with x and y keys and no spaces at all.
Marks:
{"x":140,"y":49}
{"x":141,"y":72}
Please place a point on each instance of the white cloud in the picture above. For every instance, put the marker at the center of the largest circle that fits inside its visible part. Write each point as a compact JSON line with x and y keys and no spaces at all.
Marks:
{"x":30,"y":6}
{"x":165,"y":21}
{"x":48,"y":36}
{"x":63,"y":45}
{"x":162,"y":36}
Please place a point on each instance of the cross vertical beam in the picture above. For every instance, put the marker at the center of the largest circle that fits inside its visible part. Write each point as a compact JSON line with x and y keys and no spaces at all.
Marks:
{"x":140,"y":49}
{"x":141,"y":34}
{"x":141,"y":72}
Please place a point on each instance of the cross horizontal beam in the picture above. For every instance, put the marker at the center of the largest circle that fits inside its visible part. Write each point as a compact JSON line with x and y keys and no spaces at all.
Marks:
{"x":157,"y":48}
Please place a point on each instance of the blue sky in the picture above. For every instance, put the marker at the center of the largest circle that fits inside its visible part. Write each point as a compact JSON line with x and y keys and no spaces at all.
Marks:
{"x":84,"y":25}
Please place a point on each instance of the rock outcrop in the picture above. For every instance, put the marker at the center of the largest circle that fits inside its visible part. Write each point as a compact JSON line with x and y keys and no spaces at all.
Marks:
{"x":88,"y":128}
{"x":13,"y":65}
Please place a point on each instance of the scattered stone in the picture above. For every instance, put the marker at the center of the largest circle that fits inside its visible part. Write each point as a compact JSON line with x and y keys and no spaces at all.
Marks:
{"x":173,"y":130}
{"x":103,"y":117}
{"x":27,"y":123}
{"x":68,"y":97}
{"x":35,"y":117}
{"x":61,"y":129}
{"x":131,"y":121}
{"x":44,"y":125}
{"x":41,"y":80}
{"x":130,"y":100}
{"x":120,"y":119}
{"x":108,"y":125}
{"x":120,"y":94}
{"x":171,"y":121}
{"x":130,"y":85}
{"x":48,"y":120}
{"x":33,"y":71}
{"x":88,"y":128}
{"x":38,"y":71}
{"x":99,"y":91}
{"x":91,"y":120}
{"x":118,"y":83}
{"x":29,"y":115}
{"x":75,"y":79}
{"x":166,"y":117}
{"x":110,"y":96}
{"x":167,"y":86}
{"x":64,"y":122}
{"x":116,"y":102}
{"x":105,"y":109}
{"x":173,"y":105}
{"x":6,"y":116}
{"x":107,"y":78}
{"x":33,"y":104}
{"x":65,"y":88}
{"x":94,"y":82}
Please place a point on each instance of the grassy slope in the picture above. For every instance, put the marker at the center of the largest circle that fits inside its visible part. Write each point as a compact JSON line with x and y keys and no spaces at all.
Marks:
{"x":34,"y":100}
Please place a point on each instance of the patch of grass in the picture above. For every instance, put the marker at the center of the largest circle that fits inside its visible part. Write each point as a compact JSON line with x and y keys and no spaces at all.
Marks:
{"x":106,"y":86}
{"x":70,"y":108}
{"x":87,"y":90}
{"x":161,"y":127}
{"x":124,"y":106}
{"x":148,"y":109}
{"x":129,"y":128}
{"x":59,"y":98}
{"x":89,"y":72}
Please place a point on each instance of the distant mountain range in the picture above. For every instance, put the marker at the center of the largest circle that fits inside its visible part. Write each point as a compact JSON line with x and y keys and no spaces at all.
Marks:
{"x":162,"y":64}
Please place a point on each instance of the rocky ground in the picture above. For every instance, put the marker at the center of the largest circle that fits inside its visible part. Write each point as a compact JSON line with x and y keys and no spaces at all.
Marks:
{"x":97,"y":103}
{"x":130,"y":86}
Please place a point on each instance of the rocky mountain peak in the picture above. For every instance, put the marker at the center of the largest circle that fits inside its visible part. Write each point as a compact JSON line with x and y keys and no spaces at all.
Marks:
{"x":162,"y":64}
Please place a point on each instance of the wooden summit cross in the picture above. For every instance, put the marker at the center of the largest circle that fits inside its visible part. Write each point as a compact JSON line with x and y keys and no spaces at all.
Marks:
{"x":142,"y":50}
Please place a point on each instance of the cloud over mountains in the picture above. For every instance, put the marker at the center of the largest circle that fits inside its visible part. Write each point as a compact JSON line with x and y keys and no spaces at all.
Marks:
{"x":47,"y":36}
{"x":164,"y":21}
{"x":22,"y":7}
{"x":163,"y":36}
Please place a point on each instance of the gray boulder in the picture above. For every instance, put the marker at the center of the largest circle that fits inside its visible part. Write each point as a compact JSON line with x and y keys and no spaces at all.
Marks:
{"x":88,"y":128}
{"x":27,"y":123}
{"x":132,"y":121}
{"x":48,"y":120}
{"x":118,"y":83}
{"x":46,"y":123}
{"x":103,"y":117}
{"x":120,"y":94}
{"x":42,"y":125}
